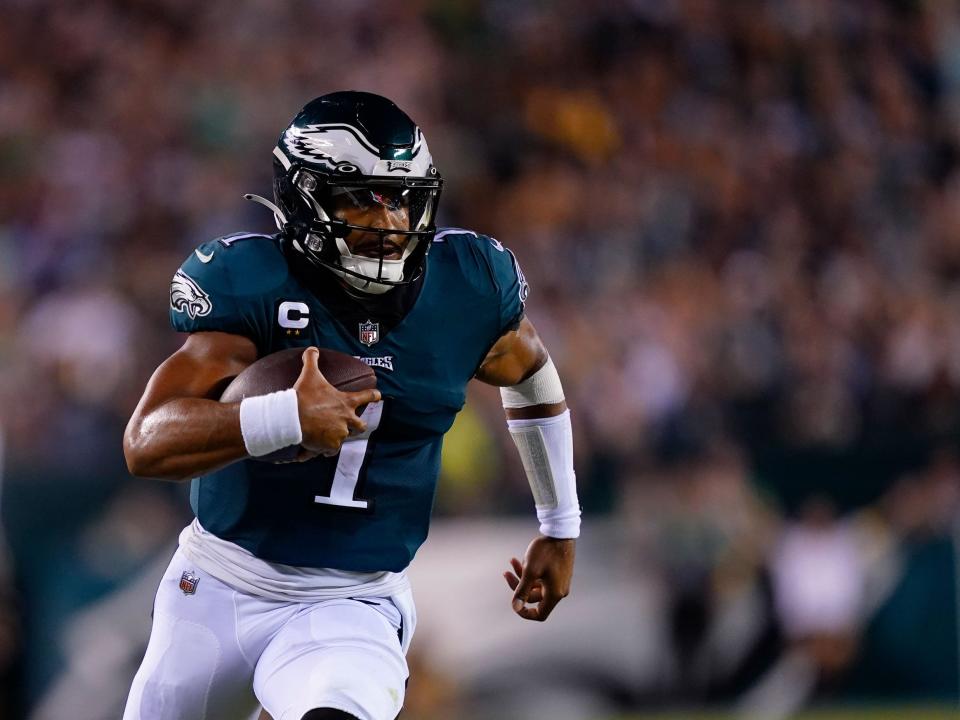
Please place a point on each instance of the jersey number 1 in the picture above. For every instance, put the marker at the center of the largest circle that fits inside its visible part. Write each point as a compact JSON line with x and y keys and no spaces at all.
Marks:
{"x":349,"y":463}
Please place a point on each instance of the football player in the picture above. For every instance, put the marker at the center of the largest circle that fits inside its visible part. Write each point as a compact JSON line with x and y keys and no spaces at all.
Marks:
{"x":289,"y":588}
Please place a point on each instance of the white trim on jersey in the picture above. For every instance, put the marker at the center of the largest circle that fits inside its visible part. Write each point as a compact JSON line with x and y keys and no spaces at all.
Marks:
{"x":452,"y":231}
{"x":228,"y":240}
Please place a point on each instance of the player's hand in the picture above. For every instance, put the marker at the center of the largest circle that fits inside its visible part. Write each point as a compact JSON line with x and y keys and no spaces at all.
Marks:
{"x":302,"y":456}
{"x":327,"y":416}
{"x":543,"y":578}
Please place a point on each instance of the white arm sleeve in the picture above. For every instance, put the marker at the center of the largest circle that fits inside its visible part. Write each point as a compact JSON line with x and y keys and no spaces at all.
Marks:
{"x":546,"y":449}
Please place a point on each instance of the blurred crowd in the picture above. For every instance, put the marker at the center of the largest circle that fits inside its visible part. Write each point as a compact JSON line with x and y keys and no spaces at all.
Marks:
{"x":740,"y":221}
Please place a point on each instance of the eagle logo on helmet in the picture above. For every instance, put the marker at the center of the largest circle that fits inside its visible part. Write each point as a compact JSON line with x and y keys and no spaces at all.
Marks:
{"x":322,"y":143}
{"x":186,"y":296}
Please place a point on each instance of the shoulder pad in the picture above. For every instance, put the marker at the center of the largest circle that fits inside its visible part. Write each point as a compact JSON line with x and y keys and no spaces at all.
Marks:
{"x":241,"y":263}
{"x":227,"y":284}
{"x":491,"y":268}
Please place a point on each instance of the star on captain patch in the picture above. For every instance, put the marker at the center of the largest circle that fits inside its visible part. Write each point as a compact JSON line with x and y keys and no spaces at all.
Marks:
{"x":369,"y":332}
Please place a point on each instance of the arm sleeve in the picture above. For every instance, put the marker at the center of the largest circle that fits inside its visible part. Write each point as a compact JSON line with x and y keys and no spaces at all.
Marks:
{"x":205,"y":295}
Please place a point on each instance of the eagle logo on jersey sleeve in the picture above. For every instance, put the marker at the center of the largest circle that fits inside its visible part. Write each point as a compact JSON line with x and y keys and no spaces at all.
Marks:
{"x":186,"y":296}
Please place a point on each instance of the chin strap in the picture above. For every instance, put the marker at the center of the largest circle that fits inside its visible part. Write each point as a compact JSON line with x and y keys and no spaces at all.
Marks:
{"x":366,"y":284}
{"x":278,"y":215}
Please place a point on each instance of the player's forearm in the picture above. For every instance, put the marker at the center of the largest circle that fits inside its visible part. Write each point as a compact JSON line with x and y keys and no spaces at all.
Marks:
{"x":184,"y":438}
{"x":539,"y":423}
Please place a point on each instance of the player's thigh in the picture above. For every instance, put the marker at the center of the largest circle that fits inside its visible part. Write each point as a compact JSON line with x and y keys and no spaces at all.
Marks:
{"x":194,"y":666}
{"x":340,"y":654}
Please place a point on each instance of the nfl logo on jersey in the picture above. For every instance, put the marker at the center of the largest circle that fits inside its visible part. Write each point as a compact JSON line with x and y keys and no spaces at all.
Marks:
{"x":369,"y":332}
{"x":188,"y":582}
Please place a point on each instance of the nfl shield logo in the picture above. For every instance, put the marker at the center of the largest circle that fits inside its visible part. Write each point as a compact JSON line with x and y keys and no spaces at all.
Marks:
{"x":188,"y":582}
{"x":369,"y":332}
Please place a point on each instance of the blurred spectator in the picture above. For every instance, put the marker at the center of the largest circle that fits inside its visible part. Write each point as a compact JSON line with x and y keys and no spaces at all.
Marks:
{"x":818,"y":579}
{"x":740,"y":222}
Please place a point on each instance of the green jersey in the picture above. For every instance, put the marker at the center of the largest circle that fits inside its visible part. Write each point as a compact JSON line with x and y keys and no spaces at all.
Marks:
{"x":367,"y":509}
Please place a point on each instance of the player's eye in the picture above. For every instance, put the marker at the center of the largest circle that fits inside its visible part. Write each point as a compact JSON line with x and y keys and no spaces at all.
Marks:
{"x":392,"y":200}
{"x":368,"y":199}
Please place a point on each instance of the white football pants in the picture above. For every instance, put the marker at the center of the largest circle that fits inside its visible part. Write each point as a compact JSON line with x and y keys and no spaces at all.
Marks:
{"x":219,"y":654}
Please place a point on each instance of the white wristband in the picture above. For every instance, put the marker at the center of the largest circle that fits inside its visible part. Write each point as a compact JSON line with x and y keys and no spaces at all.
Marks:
{"x":546,"y":449}
{"x":270,"y":422}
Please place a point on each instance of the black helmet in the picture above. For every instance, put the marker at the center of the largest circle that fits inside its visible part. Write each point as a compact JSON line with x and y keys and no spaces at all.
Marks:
{"x":364,"y":146}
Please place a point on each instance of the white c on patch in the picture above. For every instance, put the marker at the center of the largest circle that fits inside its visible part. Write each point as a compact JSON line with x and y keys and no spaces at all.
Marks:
{"x":293,"y":315}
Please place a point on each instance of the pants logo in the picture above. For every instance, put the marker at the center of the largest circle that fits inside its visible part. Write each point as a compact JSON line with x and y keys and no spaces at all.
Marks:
{"x":189,"y":582}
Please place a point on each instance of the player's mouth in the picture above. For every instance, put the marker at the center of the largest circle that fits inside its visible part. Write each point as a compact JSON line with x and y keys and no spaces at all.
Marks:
{"x":372,"y":248}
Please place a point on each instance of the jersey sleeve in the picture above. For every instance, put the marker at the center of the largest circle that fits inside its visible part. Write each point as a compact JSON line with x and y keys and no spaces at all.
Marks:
{"x":207,"y":295}
{"x":511,"y":285}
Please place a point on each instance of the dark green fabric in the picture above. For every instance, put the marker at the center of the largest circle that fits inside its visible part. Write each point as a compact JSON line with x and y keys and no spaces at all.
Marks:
{"x":471,"y":292}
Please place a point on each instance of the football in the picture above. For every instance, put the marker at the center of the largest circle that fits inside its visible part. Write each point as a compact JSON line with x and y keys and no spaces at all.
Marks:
{"x":280,"y":370}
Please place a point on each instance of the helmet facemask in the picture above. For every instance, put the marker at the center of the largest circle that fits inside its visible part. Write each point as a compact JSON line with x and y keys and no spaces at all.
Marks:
{"x":386,"y":252}
{"x":309,"y":212}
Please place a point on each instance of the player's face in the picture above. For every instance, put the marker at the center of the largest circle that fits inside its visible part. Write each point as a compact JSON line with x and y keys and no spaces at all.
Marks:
{"x":381,"y":208}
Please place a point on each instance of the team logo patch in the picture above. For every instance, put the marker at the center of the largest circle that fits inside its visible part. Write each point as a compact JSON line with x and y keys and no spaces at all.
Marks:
{"x":189,"y":582}
{"x":186,"y":296}
{"x":369,"y":332}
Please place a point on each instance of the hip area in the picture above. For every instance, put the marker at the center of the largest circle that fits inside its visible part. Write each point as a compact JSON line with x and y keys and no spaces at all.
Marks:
{"x":239,"y":569}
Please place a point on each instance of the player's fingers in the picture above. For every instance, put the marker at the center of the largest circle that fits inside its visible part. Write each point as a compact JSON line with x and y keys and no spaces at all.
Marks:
{"x":517,"y":566}
{"x":311,"y":363}
{"x":535,"y":595}
{"x":521,"y":592}
{"x":535,"y":592}
{"x":355,"y":425}
{"x":529,"y":613}
{"x":547,"y":603}
{"x":311,"y":358}
{"x":538,"y":611}
{"x":362,"y":397}
{"x":305,"y":455}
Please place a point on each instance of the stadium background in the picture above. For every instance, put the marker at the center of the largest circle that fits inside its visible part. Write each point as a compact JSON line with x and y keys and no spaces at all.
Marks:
{"x":741,"y":225}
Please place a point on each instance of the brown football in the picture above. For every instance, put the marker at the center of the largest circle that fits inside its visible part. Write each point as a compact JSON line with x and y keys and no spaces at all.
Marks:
{"x":280,"y":370}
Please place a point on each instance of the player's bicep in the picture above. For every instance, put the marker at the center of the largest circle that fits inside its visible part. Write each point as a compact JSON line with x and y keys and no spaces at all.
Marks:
{"x":514,"y":357}
{"x":201,"y":368}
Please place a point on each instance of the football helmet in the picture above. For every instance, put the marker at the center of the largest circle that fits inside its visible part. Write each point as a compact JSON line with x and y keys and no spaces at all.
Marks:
{"x":356,"y":150}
